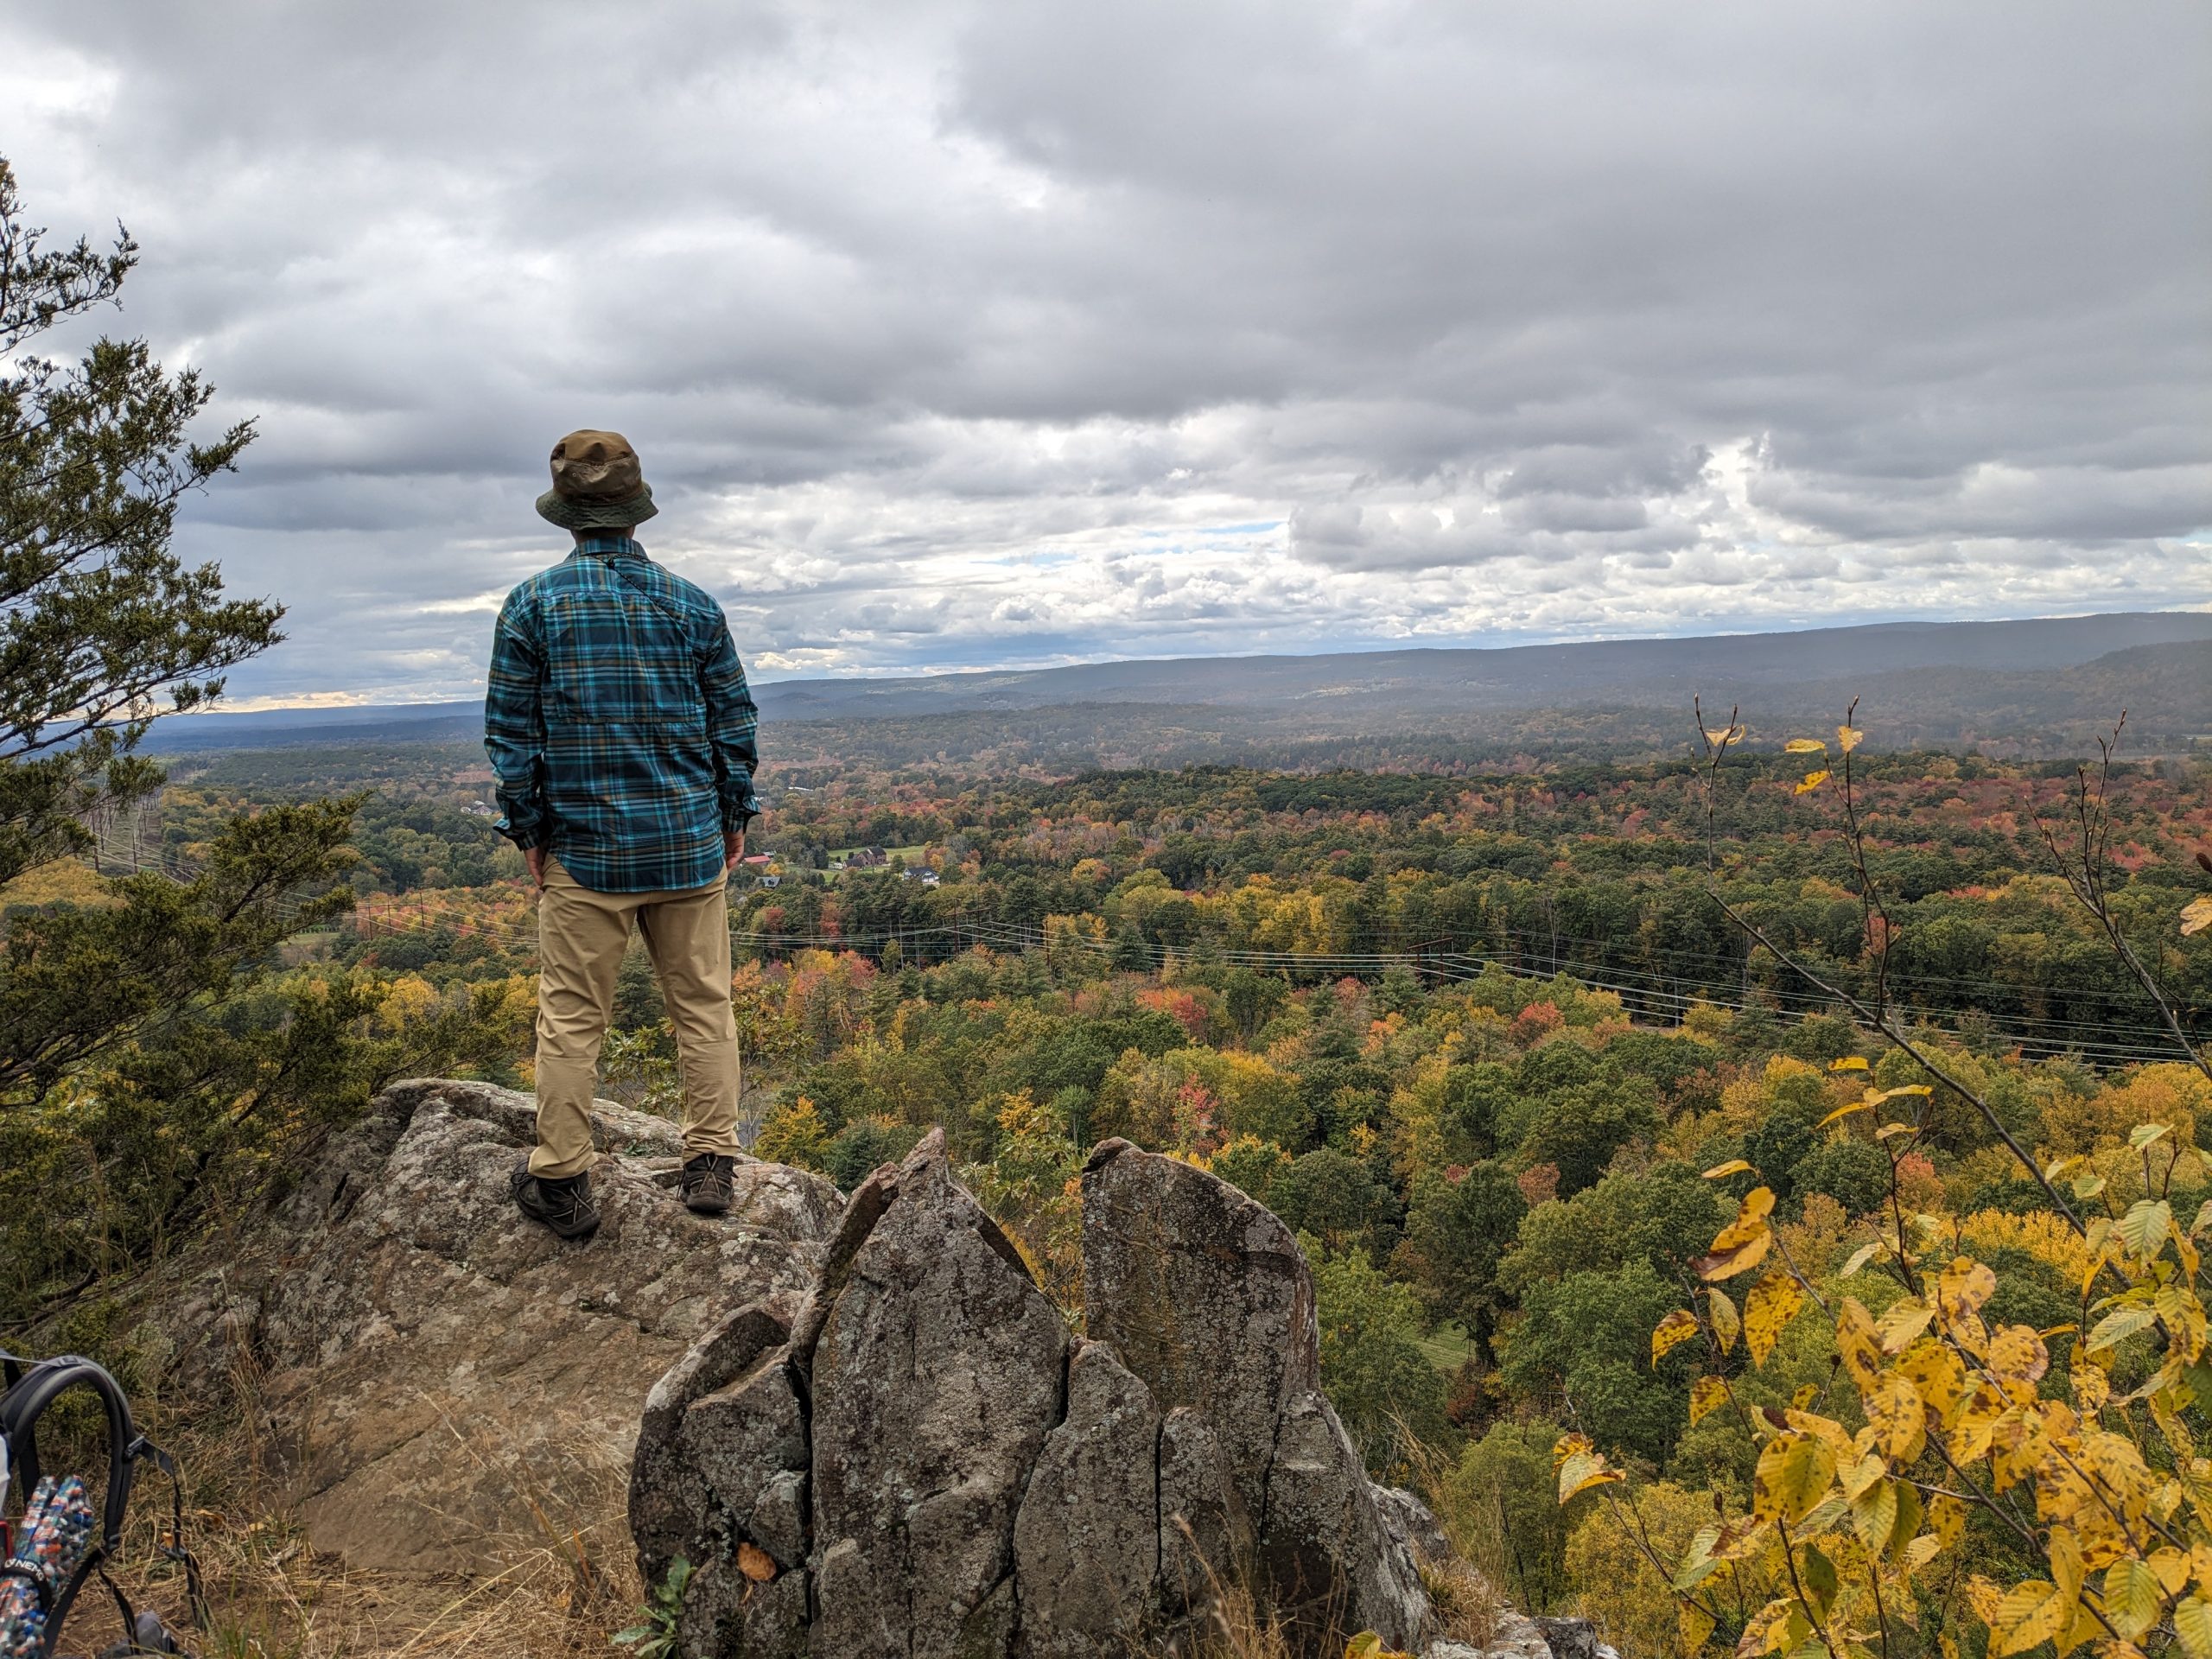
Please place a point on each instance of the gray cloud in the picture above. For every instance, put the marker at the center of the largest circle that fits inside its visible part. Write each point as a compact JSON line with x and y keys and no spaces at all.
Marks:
{"x":956,"y":333}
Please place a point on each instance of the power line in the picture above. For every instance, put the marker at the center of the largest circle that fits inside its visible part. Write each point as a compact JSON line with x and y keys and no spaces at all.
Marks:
{"x":1657,"y":992}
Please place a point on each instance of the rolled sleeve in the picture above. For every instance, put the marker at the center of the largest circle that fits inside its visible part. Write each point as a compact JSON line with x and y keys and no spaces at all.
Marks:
{"x":733,"y":727}
{"x":514,"y":726}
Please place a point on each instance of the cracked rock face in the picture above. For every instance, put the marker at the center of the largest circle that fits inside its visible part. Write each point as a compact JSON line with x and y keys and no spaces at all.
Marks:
{"x":1086,"y":1543}
{"x":437,"y":1372}
{"x":1205,"y":1292}
{"x":938,"y":1377}
{"x":977,"y":1483}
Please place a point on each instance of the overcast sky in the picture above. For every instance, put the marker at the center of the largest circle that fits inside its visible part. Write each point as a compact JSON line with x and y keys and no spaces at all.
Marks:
{"x":977,"y":335}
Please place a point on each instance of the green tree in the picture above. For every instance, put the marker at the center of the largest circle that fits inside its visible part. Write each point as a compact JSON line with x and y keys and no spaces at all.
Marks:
{"x":1457,"y":1233}
{"x":100,"y":620}
{"x":1327,"y":1194}
{"x":1584,"y":1345}
{"x":1500,"y":1503}
{"x":141,"y":1085}
{"x":1372,"y":1367}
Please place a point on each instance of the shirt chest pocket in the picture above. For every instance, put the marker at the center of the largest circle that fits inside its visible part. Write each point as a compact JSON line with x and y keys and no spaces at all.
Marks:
{"x":613,"y":660}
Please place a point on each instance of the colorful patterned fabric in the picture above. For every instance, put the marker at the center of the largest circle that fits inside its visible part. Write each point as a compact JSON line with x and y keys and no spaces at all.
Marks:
{"x":619,"y":721}
{"x":56,"y":1530}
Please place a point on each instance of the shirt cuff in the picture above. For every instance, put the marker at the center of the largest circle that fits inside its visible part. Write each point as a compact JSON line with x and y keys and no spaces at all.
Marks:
{"x":532,"y":832}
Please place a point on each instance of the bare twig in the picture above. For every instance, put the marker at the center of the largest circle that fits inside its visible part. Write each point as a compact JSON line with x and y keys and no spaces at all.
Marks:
{"x":2087,"y":872}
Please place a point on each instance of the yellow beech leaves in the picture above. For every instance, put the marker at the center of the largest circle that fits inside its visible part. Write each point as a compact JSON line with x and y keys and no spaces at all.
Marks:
{"x":1707,"y":1395}
{"x":1677,"y":1328}
{"x":2030,"y":1613}
{"x":1743,"y":1244}
{"x":1894,"y":1414}
{"x":1792,"y":1477}
{"x":1774,"y":1302}
{"x":1932,"y":1408}
{"x":1581,"y":1466}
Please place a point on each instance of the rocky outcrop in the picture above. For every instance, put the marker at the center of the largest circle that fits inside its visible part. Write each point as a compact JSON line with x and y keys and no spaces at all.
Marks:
{"x":978,"y":1484}
{"x":939,"y":1372}
{"x":440,"y":1381}
{"x":1207,"y":1294}
{"x":1087,"y":1538}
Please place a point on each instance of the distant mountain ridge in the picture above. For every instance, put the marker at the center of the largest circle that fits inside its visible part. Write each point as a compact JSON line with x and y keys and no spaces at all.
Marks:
{"x":2004,"y":668}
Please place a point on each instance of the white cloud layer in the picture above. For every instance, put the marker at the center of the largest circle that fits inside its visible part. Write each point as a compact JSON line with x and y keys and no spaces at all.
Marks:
{"x":964,"y":334}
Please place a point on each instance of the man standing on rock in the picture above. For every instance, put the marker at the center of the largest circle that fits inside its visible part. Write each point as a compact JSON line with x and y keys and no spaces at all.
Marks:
{"x":621,"y":731}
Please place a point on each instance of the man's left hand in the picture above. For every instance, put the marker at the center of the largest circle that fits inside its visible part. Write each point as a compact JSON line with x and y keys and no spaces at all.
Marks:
{"x":733,"y":849}
{"x":534,"y":857}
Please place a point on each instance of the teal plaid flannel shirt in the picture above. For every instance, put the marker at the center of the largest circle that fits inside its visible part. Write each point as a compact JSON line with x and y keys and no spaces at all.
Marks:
{"x":618,"y":722}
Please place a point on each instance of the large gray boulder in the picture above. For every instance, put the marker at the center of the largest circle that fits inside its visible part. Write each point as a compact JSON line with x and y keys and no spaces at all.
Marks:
{"x":721,"y":1468}
{"x":938,"y":1373}
{"x":1206,"y":1297}
{"x":439,"y":1380}
{"x":1207,"y":1538}
{"x":1086,"y":1541}
{"x":977,"y":1483}
{"x":1203,"y":1293}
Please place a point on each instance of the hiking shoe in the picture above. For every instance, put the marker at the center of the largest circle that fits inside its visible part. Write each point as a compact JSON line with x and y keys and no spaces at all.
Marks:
{"x":563,"y":1206}
{"x":705,"y":1184}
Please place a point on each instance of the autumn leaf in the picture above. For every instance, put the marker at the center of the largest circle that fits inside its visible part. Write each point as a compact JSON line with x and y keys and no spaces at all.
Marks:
{"x":1902,"y":1321}
{"x":1975,"y":1426}
{"x":1733,"y":1166}
{"x":1707,"y":1395}
{"x":2193,"y":1626}
{"x":1793,"y":1476}
{"x":1874,"y":1513}
{"x":2196,"y":915}
{"x":756,"y":1563}
{"x":1934,"y":1370}
{"x":1781,"y":1626}
{"x":1694,"y":1624}
{"x":1847,"y":738}
{"x":1743,"y":1244}
{"x":2172,"y":1569}
{"x":1774,"y":1302}
{"x":2145,"y":1226}
{"x":2016,"y":1353}
{"x":1848,"y":1063}
{"x":2092,"y":1388}
{"x":1583,"y":1470}
{"x":1677,"y":1328}
{"x":1856,"y":1341}
{"x":1894,"y":1413}
{"x":2064,"y":1554}
{"x":1804,"y":746}
{"x":2031,"y":1612}
{"x":2117,"y":1327}
{"x":1722,"y":1312}
{"x":1965,"y":1285}
{"x":1813,"y":781}
{"x":2133,"y":1598}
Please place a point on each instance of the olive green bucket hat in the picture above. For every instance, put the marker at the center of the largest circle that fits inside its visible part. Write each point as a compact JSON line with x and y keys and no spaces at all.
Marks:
{"x":596,"y":484}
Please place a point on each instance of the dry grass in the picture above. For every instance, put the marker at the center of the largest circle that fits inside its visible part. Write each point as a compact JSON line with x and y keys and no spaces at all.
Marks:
{"x":1468,"y":1606}
{"x":272,"y":1595}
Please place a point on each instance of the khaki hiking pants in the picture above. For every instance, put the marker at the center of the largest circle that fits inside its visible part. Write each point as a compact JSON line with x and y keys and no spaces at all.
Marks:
{"x":580,"y":937}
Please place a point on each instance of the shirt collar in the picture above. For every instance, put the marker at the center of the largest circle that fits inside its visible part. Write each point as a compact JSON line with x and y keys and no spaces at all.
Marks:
{"x":610,"y":546}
